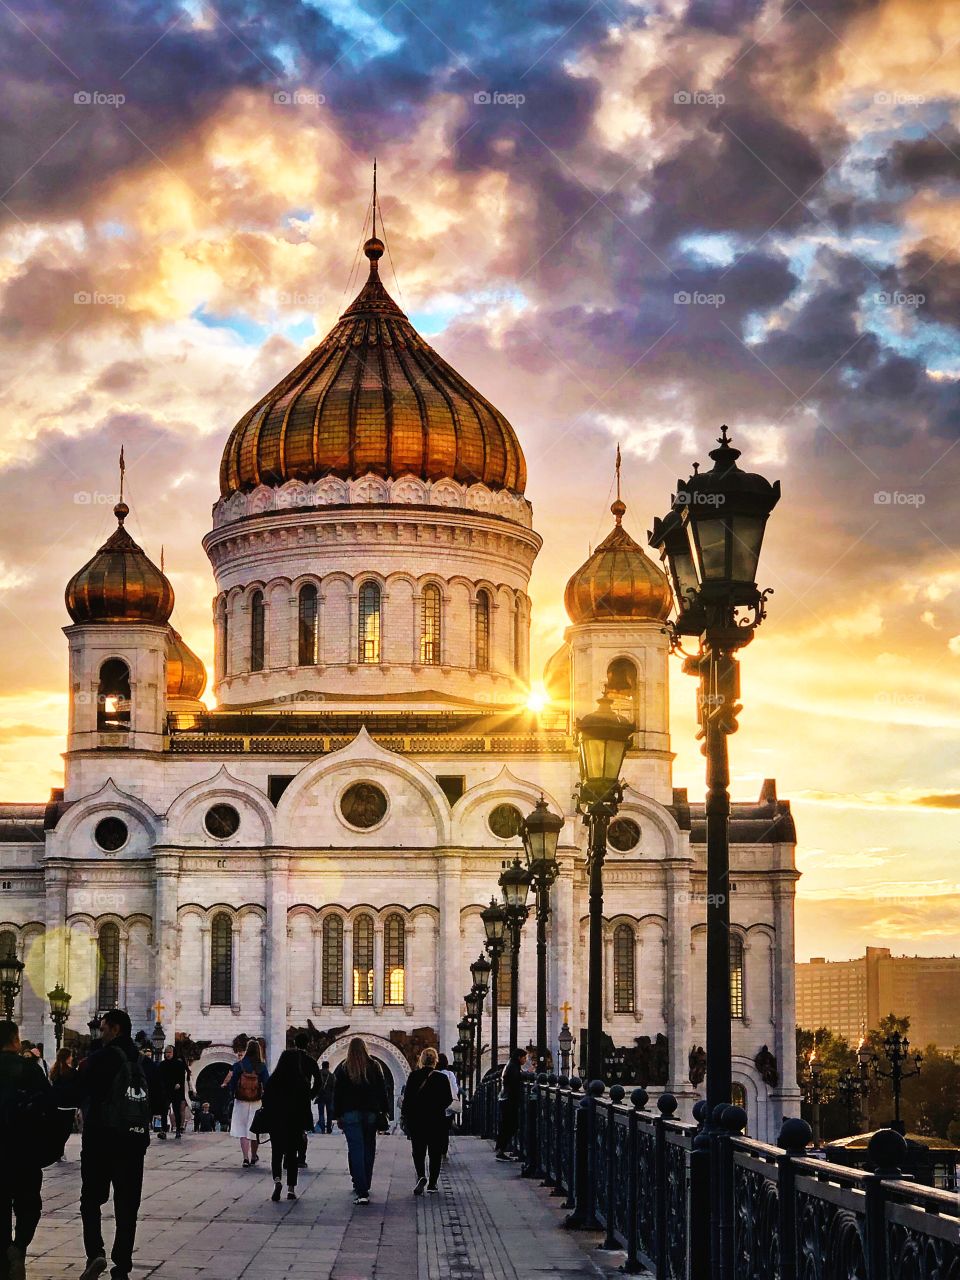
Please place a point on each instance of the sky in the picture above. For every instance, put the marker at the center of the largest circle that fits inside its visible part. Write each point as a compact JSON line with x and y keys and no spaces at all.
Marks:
{"x":623,"y":223}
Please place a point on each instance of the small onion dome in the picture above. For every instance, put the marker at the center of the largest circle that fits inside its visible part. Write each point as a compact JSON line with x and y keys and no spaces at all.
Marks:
{"x":618,"y":581}
{"x":556,"y":675}
{"x":120,"y":584}
{"x":186,"y":674}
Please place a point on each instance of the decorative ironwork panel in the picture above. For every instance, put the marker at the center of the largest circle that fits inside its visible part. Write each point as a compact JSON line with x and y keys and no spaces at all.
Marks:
{"x":677,"y":1227}
{"x":620,"y":1191}
{"x":756,"y":1234}
{"x":919,"y":1244}
{"x":600,"y":1162}
{"x":830,"y":1240}
{"x":646,"y":1158}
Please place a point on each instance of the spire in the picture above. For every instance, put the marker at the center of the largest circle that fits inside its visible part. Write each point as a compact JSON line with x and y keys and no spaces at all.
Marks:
{"x":618,"y":507}
{"x":374,"y":247}
{"x":374,"y":197}
{"x":121,"y":510}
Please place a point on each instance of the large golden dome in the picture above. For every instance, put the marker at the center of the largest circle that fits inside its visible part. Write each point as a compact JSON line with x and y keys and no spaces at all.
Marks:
{"x":186,"y":674}
{"x":372,"y":397}
{"x":618,"y":581}
{"x":120,"y":584}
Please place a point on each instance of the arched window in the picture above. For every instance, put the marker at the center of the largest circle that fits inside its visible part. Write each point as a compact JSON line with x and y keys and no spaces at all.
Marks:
{"x":518,"y":639}
{"x":736,"y":976}
{"x":224,"y":641}
{"x":256,"y":631}
{"x":308,"y":630}
{"x":394,"y":973}
{"x":363,"y":960}
{"x":332,"y":976}
{"x":622,"y":687}
{"x":108,"y":987}
{"x":483,"y":631}
{"x":8,"y":943}
{"x":369,"y":629}
{"x":623,"y":969}
{"x":113,"y":696}
{"x":505,"y":978}
{"x":221,"y":959}
{"x":430,"y":610}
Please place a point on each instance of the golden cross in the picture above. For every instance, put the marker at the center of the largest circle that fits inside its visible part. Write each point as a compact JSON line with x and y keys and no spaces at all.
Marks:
{"x":565,"y":1010}
{"x":158,"y":1008}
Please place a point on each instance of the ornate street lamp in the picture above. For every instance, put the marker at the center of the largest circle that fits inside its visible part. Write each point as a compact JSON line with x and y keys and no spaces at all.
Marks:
{"x":93,"y":1026}
{"x":158,"y":1040}
{"x":495,"y":927}
{"x":816,"y":1094}
{"x":11,"y":979}
{"x":896,"y":1049}
{"x":565,"y":1046}
{"x":851,"y":1089}
{"x":465,"y":1028}
{"x":602,"y":740}
{"x":480,"y":972}
{"x":515,"y":885}
{"x":59,"y":1011}
{"x":541,"y":833}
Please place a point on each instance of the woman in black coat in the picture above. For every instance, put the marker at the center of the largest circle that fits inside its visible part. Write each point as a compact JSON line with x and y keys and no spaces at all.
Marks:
{"x":425,"y":1100}
{"x":288,"y":1115}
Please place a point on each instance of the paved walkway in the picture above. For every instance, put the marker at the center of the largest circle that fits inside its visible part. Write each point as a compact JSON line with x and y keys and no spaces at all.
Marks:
{"x":204,"y":1217}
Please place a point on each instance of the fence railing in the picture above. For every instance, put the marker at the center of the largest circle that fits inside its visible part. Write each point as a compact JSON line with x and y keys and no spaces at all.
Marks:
{"x":644,"y":1180}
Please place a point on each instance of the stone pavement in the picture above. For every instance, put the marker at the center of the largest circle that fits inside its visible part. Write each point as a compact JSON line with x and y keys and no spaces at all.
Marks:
{"x":204,"y":1217}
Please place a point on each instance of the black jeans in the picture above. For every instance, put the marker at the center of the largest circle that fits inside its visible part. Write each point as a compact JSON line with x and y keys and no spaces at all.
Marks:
{"x":285,"y":1154}
{"x":430,"y":1142}
{"x":111,"y":1161}
{"x":20,"y":1200}
{"x":509,"y":1124}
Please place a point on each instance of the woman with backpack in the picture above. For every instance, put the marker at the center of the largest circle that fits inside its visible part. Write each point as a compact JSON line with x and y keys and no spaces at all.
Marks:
{"x":360,"y":1109}
{"x":287,"y":1113}
{"x":424,"y":1116}
{"x":246,"y":1083}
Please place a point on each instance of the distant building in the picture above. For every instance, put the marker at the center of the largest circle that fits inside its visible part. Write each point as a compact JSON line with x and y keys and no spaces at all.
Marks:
{"x":850,"y":996}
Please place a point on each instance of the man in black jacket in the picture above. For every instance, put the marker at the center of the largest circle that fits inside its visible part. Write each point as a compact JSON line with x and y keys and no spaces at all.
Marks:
{"x":20,"y":1178}
{"x":311,"y":1072}
{"x":511,"y":1095}
{"x":110,"y":1155}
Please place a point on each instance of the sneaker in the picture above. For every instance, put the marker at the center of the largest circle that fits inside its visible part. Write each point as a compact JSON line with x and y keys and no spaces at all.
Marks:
{"x":95,"y":1267}
{"x":16,"y":1263}
{"x":361,"y":1199}
{"x":291,"y":1194}
{"x":301,"y":1164}
{"x":432,"y":1191}
{"x":277,"y":1188}
{"x":162,"y":1136}
{"x":254,"y":1159}
{"x":179,"y":1134}
{"x":502,"y":1155}
{"x":418,"y":1189}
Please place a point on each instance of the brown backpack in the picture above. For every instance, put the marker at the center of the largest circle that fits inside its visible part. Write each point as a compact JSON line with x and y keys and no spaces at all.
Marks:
{"x":249,"y":1088}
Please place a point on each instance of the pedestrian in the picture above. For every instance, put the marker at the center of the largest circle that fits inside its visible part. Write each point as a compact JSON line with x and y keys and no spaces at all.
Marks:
{"x":37,"y":1052}
{"x":287,"y":1114}
{"x":246,"y":1082}
{"x":63,"y":1071}
{"x":311,"y":1072}
{"x":112,"y":1089}
{"x":206,"y":1120}
{"x":173,"y":1072}
{"x":424,"y":1115}
{"x":511,"y":1093}
{"x":325,"y":1099}
{"x":21,"y":1175}
{"x":359,"y":1107}
{"x":455,"y":1107}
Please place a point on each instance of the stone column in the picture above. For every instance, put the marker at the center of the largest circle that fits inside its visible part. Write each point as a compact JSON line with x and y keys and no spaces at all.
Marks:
{"x":378,"y":966}
{"x":122,"y":969}
{"x":676,"y":986}
{"x":347,"y":965}
{"x":166,"y":939}
{"x":235,"y":932}
{"x":785,"y":1098}
{"x":276,"y":955}
{"x":206,"y":965}
{"x":608,"y":976}
{"x":449,"y":960}
{"x":56,"y":882}
{"x":316,"y":995}
{"x":410,"y":952}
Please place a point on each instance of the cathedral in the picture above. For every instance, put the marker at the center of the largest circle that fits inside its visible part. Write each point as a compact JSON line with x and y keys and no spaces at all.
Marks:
{"x":319,"y":847}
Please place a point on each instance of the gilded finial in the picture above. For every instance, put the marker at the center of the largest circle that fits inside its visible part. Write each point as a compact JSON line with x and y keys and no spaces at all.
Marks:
{"x":374,"y":247}
{"x":618,"y":507}
{"x":121,"y":510}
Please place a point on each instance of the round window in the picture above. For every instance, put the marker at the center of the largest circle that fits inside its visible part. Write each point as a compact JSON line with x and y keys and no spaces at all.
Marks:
{"x":222,"y":821}
{"x":111,"y":834}
{"x":505,"y":821}
{"x":363,"y":805}
{"x":623,"y":834}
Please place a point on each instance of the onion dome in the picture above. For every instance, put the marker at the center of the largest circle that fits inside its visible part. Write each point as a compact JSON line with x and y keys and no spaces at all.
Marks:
{"x":618,"y":581}
{"x":556,"y":675}
{"x":120,"y":584}
{"x":186,"y":674}
{"x":372,"y":397}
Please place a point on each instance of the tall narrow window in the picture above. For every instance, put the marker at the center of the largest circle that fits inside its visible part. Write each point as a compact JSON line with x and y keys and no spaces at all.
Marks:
{"x":736,"y":976}
{"x":113,"y":696}
{"x":394,"y":973}
{"x":221,"y":959}
{"x":430,"y":608}
{"x":518,"y":640}
{"x":623,"y":969}
{"x":8,"y":943}
{"x":363,"y":960}
{"x":224,"y":642}
{"x":332,"y":978}
{"x":369,"y":629}
{"x":622,"y":687}
{"x":256,"y":631}
{"x":483,"y":631}
{"x":505,"y":977}
{"x":108,"y":987}
{"x":308,"y":643}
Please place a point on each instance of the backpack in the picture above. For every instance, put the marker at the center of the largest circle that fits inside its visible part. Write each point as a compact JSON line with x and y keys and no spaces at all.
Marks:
{"x":32,"y":1124}
{"x":126,"y":1107}
{"x":249,"y":1088}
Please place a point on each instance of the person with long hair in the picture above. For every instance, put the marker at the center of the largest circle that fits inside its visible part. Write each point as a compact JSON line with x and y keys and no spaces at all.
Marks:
{"x":360,"y":1108}
{"x":63,"y":1066}
{"x":246,"y":1081}
{"x":424,"y":1114}
{"x":288,"y":1112}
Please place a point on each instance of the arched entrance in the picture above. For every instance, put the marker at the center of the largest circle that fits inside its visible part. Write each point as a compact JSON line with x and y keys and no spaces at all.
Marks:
{"x":208,"y":1086}
{"x":395,"y":1066}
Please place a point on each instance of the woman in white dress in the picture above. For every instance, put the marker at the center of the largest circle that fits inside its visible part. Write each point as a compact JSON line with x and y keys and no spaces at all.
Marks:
{"x":246,"y":1082}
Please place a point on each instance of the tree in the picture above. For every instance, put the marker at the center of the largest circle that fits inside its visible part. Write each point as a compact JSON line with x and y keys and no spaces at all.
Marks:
{"x":835,"y":1054}
{"x":930,"y":1102}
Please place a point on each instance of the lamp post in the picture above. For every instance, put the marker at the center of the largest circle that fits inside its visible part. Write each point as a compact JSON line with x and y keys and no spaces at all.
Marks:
{"x":815,"y":1093}
{"x":896,"y":1049}
{"x":11,"y":979}
{"x":851,"y":1090}
{"x":158,"y":1039}
{"x":565,"y":1046}
{"x":602,"y":739}
{"x":465,"y":1029}
{"x":458,"y":1065}
{"x":541,"y":833}
{"x":480,"y":972}
{"x":515,"y":885}
{"x":495,"y":926}
{"x":93,"y":1026}
{"x":864,"y":1061}
{"x":59,"y":1011}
